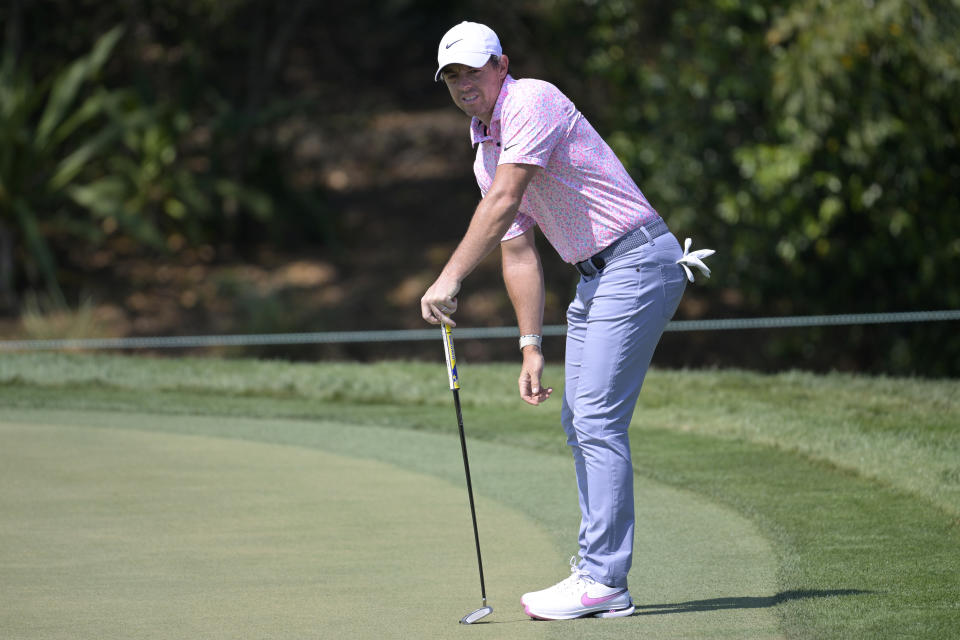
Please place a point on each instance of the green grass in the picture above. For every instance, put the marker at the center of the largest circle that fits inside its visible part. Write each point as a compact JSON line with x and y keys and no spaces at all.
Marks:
{"x":144,"y":533}
{"x":855,"y":481}
{"x":151,"y":525}
{"x":903,"y":432}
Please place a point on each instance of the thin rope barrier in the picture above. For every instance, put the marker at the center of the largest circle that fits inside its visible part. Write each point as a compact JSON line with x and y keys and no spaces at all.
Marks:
{"x":475,"y":333}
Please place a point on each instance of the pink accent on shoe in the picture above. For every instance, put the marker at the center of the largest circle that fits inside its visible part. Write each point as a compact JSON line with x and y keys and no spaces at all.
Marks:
{"x":526,"y":610}
{"x":587,"y":601}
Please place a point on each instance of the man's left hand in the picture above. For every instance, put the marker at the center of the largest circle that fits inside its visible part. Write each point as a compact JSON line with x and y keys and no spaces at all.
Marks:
{"x":531,"y":389}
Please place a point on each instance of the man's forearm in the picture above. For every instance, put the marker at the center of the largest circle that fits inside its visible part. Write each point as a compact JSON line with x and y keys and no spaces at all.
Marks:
{"x":523,"y":277}
{"x":490,"y":221}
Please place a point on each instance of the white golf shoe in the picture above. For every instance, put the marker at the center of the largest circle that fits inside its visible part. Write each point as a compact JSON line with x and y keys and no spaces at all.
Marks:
{"x":576,"y":597}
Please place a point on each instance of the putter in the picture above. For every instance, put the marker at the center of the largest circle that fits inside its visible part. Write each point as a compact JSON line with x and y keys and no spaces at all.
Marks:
{"x":483,"y":611}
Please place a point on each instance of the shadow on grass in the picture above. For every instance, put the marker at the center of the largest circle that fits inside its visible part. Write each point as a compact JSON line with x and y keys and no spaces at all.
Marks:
{"x":715,"y":604}
{"x":720,"y":604}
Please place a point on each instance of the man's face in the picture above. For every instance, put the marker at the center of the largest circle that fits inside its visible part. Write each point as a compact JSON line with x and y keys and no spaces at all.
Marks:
{"x":475,"y":90}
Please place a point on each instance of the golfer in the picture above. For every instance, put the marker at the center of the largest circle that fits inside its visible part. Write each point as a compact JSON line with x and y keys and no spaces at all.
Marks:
{"x":539,"y":163}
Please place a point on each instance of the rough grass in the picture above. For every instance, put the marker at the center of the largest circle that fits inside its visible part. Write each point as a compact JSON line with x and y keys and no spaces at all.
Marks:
{"x":904,"y":432}
{"x":855,"y":480}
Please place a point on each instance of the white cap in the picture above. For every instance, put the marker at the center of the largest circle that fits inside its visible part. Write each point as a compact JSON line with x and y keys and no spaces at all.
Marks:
{"x":468,"y":43}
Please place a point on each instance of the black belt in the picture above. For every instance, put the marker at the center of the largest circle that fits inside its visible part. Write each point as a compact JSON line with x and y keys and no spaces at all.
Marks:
{"x":627,"y":242}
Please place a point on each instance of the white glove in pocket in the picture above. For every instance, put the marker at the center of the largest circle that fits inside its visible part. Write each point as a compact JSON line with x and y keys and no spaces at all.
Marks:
{"x":694,"y":259}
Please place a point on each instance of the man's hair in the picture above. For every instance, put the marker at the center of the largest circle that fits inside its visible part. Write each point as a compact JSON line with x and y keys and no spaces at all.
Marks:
{"x":492,"y":60}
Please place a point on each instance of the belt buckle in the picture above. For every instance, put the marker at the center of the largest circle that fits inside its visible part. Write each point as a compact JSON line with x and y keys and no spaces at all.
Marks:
{"x":596,"y":263}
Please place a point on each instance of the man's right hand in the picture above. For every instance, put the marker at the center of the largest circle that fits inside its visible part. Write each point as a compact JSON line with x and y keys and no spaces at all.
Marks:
{"x":531,"y":390}
{"x":440,"y":301}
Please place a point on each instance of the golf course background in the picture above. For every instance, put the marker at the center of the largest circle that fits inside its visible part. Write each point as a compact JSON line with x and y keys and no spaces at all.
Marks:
{"x":190,"y":497}
{"x":185,"y":167}
{"x":181,"y":168}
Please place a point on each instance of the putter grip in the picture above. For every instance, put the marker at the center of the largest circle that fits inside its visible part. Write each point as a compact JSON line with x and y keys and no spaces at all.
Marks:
{"x":451,"y":356}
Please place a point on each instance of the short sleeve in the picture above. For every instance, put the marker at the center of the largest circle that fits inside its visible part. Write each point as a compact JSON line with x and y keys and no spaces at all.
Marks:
{"x":532,"y":123}
{"x":520,"y":226}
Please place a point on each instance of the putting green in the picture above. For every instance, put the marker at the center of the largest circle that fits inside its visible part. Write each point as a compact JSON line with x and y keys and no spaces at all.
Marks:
{"x":144,"y":526}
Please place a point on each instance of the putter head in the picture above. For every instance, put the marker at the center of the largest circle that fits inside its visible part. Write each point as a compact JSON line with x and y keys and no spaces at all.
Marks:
{"x":482,"y":612}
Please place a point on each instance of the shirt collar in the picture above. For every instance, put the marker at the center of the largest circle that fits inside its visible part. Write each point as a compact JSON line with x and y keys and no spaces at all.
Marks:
{"x":479,"y":132}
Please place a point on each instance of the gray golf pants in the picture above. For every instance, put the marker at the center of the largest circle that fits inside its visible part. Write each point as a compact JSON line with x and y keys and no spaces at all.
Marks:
{"x":613,"y":327}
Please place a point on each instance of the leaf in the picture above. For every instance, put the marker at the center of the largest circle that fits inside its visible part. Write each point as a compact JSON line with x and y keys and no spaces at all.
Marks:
{"x":67,"y":84}
{"x":103,"y":197}
{"x":87,"y":111}
{"x":73,"y":164}
{"x":103,"y":48}
{"x":39,"y":248}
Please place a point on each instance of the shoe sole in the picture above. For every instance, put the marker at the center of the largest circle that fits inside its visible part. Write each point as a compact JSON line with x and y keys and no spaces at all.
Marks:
{"x":612,"y":613}
{"x":617,"y":613}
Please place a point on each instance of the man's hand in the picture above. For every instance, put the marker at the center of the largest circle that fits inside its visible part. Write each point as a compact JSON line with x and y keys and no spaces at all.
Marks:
{"x":531,"y":390}
{"x":439,"y":302}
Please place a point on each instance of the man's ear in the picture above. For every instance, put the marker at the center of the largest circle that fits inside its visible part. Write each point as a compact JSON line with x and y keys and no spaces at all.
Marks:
{"x":504,"y":66}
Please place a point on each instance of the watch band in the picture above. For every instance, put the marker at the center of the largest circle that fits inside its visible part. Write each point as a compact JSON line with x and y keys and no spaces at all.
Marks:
{"x":530,"y":338}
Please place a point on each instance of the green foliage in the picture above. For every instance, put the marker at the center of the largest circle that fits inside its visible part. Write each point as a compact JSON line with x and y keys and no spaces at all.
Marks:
{"x":50,"y":133}
{"x":813,"y":143}
{"x":862,"y":112}
{"x":81,"y":162}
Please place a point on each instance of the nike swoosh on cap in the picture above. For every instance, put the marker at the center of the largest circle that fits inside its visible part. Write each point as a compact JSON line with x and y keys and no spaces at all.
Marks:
{"x":587,"y":601}
{"x":453,"y":43}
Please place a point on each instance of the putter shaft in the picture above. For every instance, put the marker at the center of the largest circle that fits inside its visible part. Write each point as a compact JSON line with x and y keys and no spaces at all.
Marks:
{"x":455,"y":387}
{"x":473,"y":511}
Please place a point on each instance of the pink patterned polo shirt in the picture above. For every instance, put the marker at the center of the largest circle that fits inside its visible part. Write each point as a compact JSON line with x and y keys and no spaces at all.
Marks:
{"x":583,"y":199}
